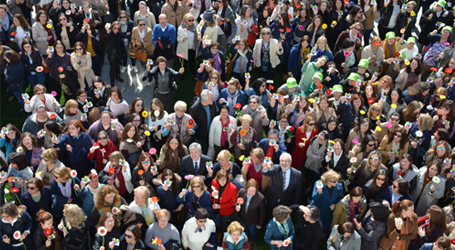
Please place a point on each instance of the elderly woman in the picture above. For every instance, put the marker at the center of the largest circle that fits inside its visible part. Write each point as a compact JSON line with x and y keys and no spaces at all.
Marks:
{"x":56,"y":59}
{"x":221,"y":129}
{"x":101,"y":150}
{"x":163,"y":230}
{"x":45,"y":222}
{"x":171,"y":153}
{"x":43,"y":33}
{"x":280,"y":228}
{"x":47,"y":166}
{"x":187,"y":40}
{"x":224,"y":197}
{"x":195,"y":197}
{"x":252,"y":168}
{"x":267,"y":59}
{"x":344,"y":236}
{"x":117,"y":173}
{"x":352,"y":207}
{"x":31,"y":149}
{"x":325,"y":200}
{"x":393,"y":146}
{"x":36,"y":121}
{"x":258,"y":113}
{"x":244,"y":138}
{"x":18,"y":168}
{"x":235,"y":237}
{"x":110,"y":126}
{"x":88,"y":190}
{"x":64,"y":190}
{"x":107,"y":198}
{"x":81,"y":60}
{"x":74,"y":228}
{"x":113,"y":231}
{"x":251,"y":210}
{"x":36,"y":198}
{"x":15,"y":220}
{"x":184,"y":131}
{"x":232,"y":96}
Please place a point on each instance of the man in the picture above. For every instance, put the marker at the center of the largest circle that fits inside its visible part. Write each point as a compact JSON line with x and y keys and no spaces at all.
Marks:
{"x":308,"y":231}
{"x":286,"y":183}
{"x":163,"y":39}
{"x":199,"y":232}
{"x":144,"y":205}
{"x":87,"y":13}
{"x":7,"y":20}
{"x":291,"y":88}
{"x":258,"y":113}
{"x":203,"y":111}
{"x":272,"y":146}
{"x":386,"y":127}
{"x":194,"y":164}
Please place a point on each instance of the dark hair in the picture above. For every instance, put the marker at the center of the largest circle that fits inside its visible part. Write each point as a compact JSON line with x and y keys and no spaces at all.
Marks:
{"x":374,"y":186}
{"x":368,"y":138}
{"x":127,"y":127}
{"x":407,"y":156}
{"x":400,"y":96}
{"x":54,"y":127}
{"x":144,"y":156}
{"x":136,"y":232}
{"x":23,"y":55}
{"x":37,"y":182}
{"x":401,"y":205}
{"x":347,"y":43}
{"x":403,"y":186}
{"x":133,"y":105}
{"x":222,"y":173}
{"x":116,"y":90}
{"x":43,"y":216}
{"x":334,"y":5}
{"x":379,"y":212}
{"x":81,"y":91}
{"x":160,"y":105}
{"x":106,"y":216}
{"x":256,"y":85}
{"x":404,"y":137}
{"x":449,"y":105}
{"x":285,"y":17}
{"x":19,"y":159}
{"x":418,"y":71}
{"x":355,"y":10}
{"x":175,"y":181}
{"x":224,"y":106}
{"x":78,"y":124}
{"x":61,"y":43}
{"x":443,"y":134}
{"x":315,"y":212}
{"x":346,"y":227}
{"x":201,"y":214}
{"x":437,"y":219}
{"x":356,"y":192}
{"x":12,"y":56}
{"x":80,"y":44}
{"x":21,"y":18}
{"x":443,"y":242}
{"x":39,"y":13}
{"x":281,"y":213}
{"x":32,"y":137}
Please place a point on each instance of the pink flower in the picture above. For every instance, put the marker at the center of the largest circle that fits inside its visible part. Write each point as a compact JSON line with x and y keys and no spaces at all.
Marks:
{"x":286,"y":242}
{"x":54,"y":94}
{"x":152,"y":151}
{"x":347,"y":53}
{"x":354,"y":141}
{"x":300,"y":27}
{"x":446,"y":43}
{"x":188,"y":177}
{"x":389,"y":125}
{"x":360,"y":35}
{"x":17,"y":235}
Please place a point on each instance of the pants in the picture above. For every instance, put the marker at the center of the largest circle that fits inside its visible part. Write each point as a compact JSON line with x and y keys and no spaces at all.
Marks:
{"x":38,"y":78}
{"x":191,"y":61}
{"x":250,"y":231}
{"x":114,"y":62}
{"x":222,"y":40}
{"x":96,"y":60}
{"x":18,"y":95}
{"x":383,"y":30}
{"x":366,"y":37}
{"x":125,"y":60}
{"x":270,"y":74}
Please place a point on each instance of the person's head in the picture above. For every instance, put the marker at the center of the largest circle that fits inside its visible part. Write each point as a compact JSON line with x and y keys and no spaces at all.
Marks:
{"x":434,"y":168}
{"x":441,"y":134}
{"x":137,"y":105}
{"x":79,"y":47}
{"x":355,"y":11}
{"x":9,"y":212}
{"x":405,"y":162}
{"x":356,"y":28}
{"x":448,"y":109}
{"x":12,"y":56}
{"x":145,"y":161}
{"x":425,"y":122}
{"x":94,"y":180}
{"x":442,"y":243}
{"x":330,"y":178}
{"x":368,"y":143}
{"x":28,"y":47}
{"x":400,"y":186}
{"x":281,"y":213}
{"x":394,"y":119}
{"x":29,"y":141}
{"x":323,"y":44}
{"x":213,"y":47}
{"x":404,"y":208}
{"x":74,"y":215}
{"x":346,"y":229}
{"x":316,"y":23}
{"x":356,"y":195}
{"x":257,"y":155}
{"x":18,"y":161}
{"x":41,"y":17}
{"x":115,"y":93}
{"x":45,"y":219}
{"x":374,"y":159}
{"x":161,"y":62}
{"x":123,"y":16}
{"x":49,"y":156}
{"x":3,"y":10}
{"x":251,"y":187}
{"x":132,"y":234}
{"x":62,"y":174}
{"x":246,"y":120}
{"x":414,"y":66}
{"x":163,"y":216}
{"x":357,"y":101}
{"x":222,"y":177}
{"x":437,"y":219}
{"x":130,"y":132}
{"x":311,"y":213}
{"x":141,"y":23}
{"x":60,"y":48}
{"x":441,"y":149}
{"x":224,"y":158}
{"x":285,"y":161}
{"x":374,"y":111}
{"x":283,"y":19}
{"x":201,"y":215}
{"x":378,"y":211}
{"x":34,"y":185}
{"x":115,"y":157}
{"x":71,"y":107}
{"x":173,"y":142}
{"x":195,"y":151}
{"x":235,"y":230}
{"x":348,"y":44}
{"x":266,"y":33}
{"x":106,"y":194}
{"x":197,"y":184}
{"x":109,"y":221}
{"x":309,"y":124}
{"x":180,"y":108}
{"x":141,"y":194}
{"x":75,"y":127}
{"x":206,"y":97}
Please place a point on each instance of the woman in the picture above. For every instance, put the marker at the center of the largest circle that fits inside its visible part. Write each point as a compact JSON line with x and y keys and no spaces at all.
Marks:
{"x":252,"y":168}
{"x":14,"y":77}
{"x":163,"y":230}
{"x":300,"y":111}
{"x":221,"y":130}
{"x":244,"y":21}
{"x":100,"y":93}
{"x":144,"y":172}
{"x":431,"y":227}
{"x":439,"y":152}
{"x":259,"y":88}
{"x":22,"y":29}
{"x":113,"y":231}
{"x":448,"y":110}
{"x":244,"y":138}
{"x":40,"y":96}
{"x":81,"y":60}
{"x":298,"y":55}
{"x":267,"y":59}
{"x":31,"y":59}
{"x":31,"y":149}
{"x":404,"y":169}
{"x":144,"y":12}
{"x":373,"y":52}
{"x":374,"y":112}
{"x":224,"y":196}
{"x":327,"y":196}
{"x":65,"y":32}
{"x":130,"y":144}
{"x":283,"y":32}
{"x":196,"y":196}
{"x":107,"y":198}
{"x":373,"y":225}
{"x":315,"y":155}
{"x":76,"y":144}
{"x":345,"y":64}
{"x":371,"y":13}
{"x":47,"y":166}
{"x":36,"y":198}
{"x":56,"y":59}
{"x":87,"y":192}
{"x":321,"y":111}
{"x":45,"y":223}
{"x":64,"y":191}
{"x":213,"y":83}
{"x":235,"y":237}
{"x":441,"y":243}
{"x":136,"y":107}
{"x":241,"y":60}
{"x":393,"y":103}
{"x":74,"y":228}
{"x":73,"y":113}
{"x":112,"y":127}
{"x":409,"y":75}
{"x":352,"y":207}
{"x":280,"y":104}
{"x":411,"y":111}
{"x":117,"y":172}
{"x":168,"y":187}
{"x":350,"y":112}
{"x":393,"y":146}
{"x":343,"y":236}
{"x":224,"y":163}
{"x":336,"y":159}
{"x":358,"y":133}
{"x":303,"y":137}
{"x":142,"y":37}
{"x":280,"y":228}
{"x":419,"y":137}
{"x":401,"y":226}
{"x":117,"y":105}
{"x":19,"y":169}
{"x":171,"y":154}
{"x":300,"y":23}
{"x":437,"y":44}
{"x":114,"y":47}
{"x":131,"y":239}
{"x":89,"y":36}
{"x":375,"y":186}
{"x":15,"y":220}
{"x":85,"y":105}
{"x":126,"y":29}
{"x":428,"y":189}
{"x":391,"y":12}
{"x":211,"y":51}
{"x":315,"y":30}
{"x":187,"y":41}
{"x":43,"y":33}
{"x":368,"y":167}
{"x":164,"y":90}
{"x":101,"y":150}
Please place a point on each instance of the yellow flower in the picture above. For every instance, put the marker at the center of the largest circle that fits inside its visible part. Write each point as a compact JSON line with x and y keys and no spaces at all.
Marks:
{"x":330,"y":141}
{"x":49,"y":26}
{"x":362,"y":112}
{"x":378,"y":117}
{"x":324,"y":26}
{"x":147,"y":133}
{"x":394,"y":106}
{"x":413,"y":13}
{"x":378,"y":128}
{"x":334,"y":23}
{"x":442,"y":97}
{"x":311,"y":100}
{"x":407,"y":62}
{"x":241,"y":158}
{"x":145,"y":114}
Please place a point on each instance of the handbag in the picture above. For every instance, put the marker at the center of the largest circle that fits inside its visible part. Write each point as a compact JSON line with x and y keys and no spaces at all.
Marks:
{"x":46,"y":68}
{"x":199,"y":85}
{"x":141,"y":54}
{"x":253,"y":34}
{"x":130,"y":50}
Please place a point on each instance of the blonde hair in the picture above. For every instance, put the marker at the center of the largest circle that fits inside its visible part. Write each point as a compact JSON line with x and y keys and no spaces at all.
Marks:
{"x":246,"y":116}
{"x":330,"y":176}
{"x":323,"y":38}
{"x":186,"y":17}
{"x":180,"y":104}
{"x":235,"y":226}
{"x":74,"y":216}
{"x":63,"y":172}
{"x":69,"y":104}
{"x":426,"y":122}
{"x":163,"y":212}
{"x":50,"y":154}
{"x":116,"y":156}
{"x":197,"y":180}
{"x":376,"y":106}
{"x":225,"y":154}
{"x":145,"y":191}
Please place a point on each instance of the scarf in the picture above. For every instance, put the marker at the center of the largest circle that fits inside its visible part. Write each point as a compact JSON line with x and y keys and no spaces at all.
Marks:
{"x":252,"y":112}
{"x":49,"y":33}
{"x":241,"y":58}
{"x":200,"y":229}
{"x":283,"y":227}
{"x":142,"y":33}
{"x":265,"y":56}
{"x":217,"y":62}
{"x":66,"y":191}
{"x":232,"y":100}
{"x":193,"y":30}
{"x":352,"y":209}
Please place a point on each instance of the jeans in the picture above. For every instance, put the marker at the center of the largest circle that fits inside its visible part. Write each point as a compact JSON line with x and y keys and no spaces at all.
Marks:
{"x":125,"y":60}
{"x":250,"y":231}
{"x":18,"y":95}
{"x":38,"y":78}
{"x":96,"y":60}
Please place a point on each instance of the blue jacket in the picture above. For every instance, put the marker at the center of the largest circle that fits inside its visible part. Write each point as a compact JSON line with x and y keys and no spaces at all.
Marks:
{"x":386,"y":195}
{"x":323,"y":202}
{"x":169,"y":32}
{"x":240,"y":99}
{"x":46,"y":202}
{"x":58,"y":200}
{"x":231,"y":245}
{"x":295,"y":61}
{"x":15,"y":77}
{"x":31,"y":67}
{"x":326,"y":53}
{"x":427,"y":246}
{"x":264,"y":144}
{"x":9,"y":148}
{"x":273,"y":233}
{"x":77,"y":159}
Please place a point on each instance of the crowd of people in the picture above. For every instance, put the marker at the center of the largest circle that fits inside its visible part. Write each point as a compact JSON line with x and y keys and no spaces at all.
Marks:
{"x":311,"y":124}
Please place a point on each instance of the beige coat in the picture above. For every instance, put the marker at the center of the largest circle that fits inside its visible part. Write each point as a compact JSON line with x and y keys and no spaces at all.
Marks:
{"x":175,"y":17}
{"x":182,"y":46}
{"x":385,"y":148}
{"x":211,"y":33}
{"x":84,"y":69}
{"x":367,"y":53}
{"x":147,"y":39}
{"x":275,"y":51}
{"x":149,"y":19}
{"x":39,"y":36}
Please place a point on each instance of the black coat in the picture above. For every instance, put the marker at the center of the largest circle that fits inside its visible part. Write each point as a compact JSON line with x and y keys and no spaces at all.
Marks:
{"x":199,"y":115}
{"x":341,"y":166}
{"x":100,"y":102}
{"x":98,"y":242}
{"x":76,"y":238}
{"x":307,"y":234}
{"x":83,"y":37}
{"x":429,"y":25}
{"x":187,"y":167}
{"x":274,"y":191}
{"x":40,"y":239}
{"x":4,"y":30}
{"x":23,"y":223}
{"x":124,"y":246}
{"x":31,"y":67}
{"x":256,"y":209}
{"x":114,"y":44}
{"x":72,"y":36}
{"x":386,"y":14}
{"x":371,"y":232}
{"x":15,"y":77}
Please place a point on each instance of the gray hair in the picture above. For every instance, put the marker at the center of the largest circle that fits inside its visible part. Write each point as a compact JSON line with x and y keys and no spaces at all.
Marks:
{"x":180,"y":104}
{"x":39,"y":106}
{"x":256,"y":97}
{"x":439,"y":75}
{"x":272,"y":132}
{"x":286,"y":154}
{"x":205,"y":95}
{"x":143,"y":3}
{"x":315,"y":212}
{"x":195,"y":145}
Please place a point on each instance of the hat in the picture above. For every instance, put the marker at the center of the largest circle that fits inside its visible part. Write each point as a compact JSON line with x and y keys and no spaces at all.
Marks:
{"x":353,"y":76}
{"x":411,"y":40}
{"x":390,"y":35}
{"x":441,"y":3}
{"x":337,"y":88}
{"x":318,"y":75}
{"x":447,"y":28}
{"x":364,"y":63}
{"x":291,"y":82}
{"x":207,"y":16}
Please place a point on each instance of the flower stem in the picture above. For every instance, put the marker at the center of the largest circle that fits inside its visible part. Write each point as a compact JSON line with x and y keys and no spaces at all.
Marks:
{"x":448,"y":196}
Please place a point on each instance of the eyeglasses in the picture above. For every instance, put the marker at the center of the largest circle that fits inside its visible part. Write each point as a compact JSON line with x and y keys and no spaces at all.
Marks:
{"x":136,"y":120}
{"x":191,"y":20}
{"x":214,"y":77}
{"x":145,"y":162}
{"x":375,"y":158}
{"x":102,"y":138}
{"x":128,"y":236}
{"x":142,"y":24}
{"x":311,"y":124}
{"x":116,"y":28}
{"x":394,"y":119}
{"x":123,"y":17}
{"x":380,"y":179}
{"x":441,"y":148}
{"x":371,"y":145}
{"x":180,"y":111}
{"x":202,"y":221}
{"x":196,"y":186}
{"x":63,"y":19}
{"x":31,"y":188}
{"x":266,"y":33}
{"x":375,"y":110}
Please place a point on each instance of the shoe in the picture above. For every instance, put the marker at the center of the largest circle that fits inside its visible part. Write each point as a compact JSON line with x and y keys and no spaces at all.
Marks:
{"x":135,"y":69}
{"x":144,"y":78}
{"x":11,"y":98}
{"x":122,"y":69}
{"x":119,"y":79}
{"x":285,"y":76}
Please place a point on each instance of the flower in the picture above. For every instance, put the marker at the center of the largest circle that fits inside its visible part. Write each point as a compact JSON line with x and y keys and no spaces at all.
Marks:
{"x":281,"y":30}
{"x":14,"y":190}
{"x":397,"y":54}
{"x":68,"y":12}
{"x":19,"y":149}
{"x":360,"y":35}
{"x":53,"y":93}
{"x":370,"y":101}
{"x":147,"y":133}
{"x":347,"y":53}
{"x":297,"y":6}
{"x":240,"y":201}
{"x":328,"y":91}
{"x":156,"y":113}
{"x":446,"y":43}
{"x":180,"y":55}
{"x":145,"y":113}
{"x":433,"y":69}
{"x":73,"y":173}
{"x":442,"y":97}
{"x":291,"y":128}
{"x":377,"y":43}
{"x":241,"y":158}
{"x":413,"y":13}
{"x":17,"y":235}
{"x":237,"y":106}
{"x":440,"y":112}
{"x":334,"y":23}
{"x":156,"y":241}
{"x":354,"y":141}
{"x":115,"y":210}
{"x":407,"y":62}
{"x":188,"y":177}
{"x":288,"y":30}
{"x":140,"y":172}
{"x":425,"y":48}
{"x":102,"y":231}
{"x":286,"y":242}
{"x":419,"y":133}
{"x":152,"y":151}
{"x":242,"y":132}
{"x":400,"y":173}
{"x":13,"y":33}
{"x":320,"y":86}
{"x":324,"y":26}
{"x":47,"y":232}
{"x":271,"y":87}
{"x":311,"y":100}
{"x":154,"y":199}
{"x":436,"y":179}
{"x":111,"y":170}
{"x":448,"y":71}
{"x":389,"y":125}
{"x":378,"y":128}
{"x":353,"y":160}
{"x":300,"y":27}
{"x":362,"y":112}
{"x":394,"y":106}
{"x":52,"y":116}
{"x":60,"y":69}
{"x":378,"y":117}
{"x":39,"y":69}
{"x":402,"y":31}
{"x":87,"y":20}
{"x":49,"y":26}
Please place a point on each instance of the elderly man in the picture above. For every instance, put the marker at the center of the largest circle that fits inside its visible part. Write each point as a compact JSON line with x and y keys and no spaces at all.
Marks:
{"x":258,"y":113}
{"x":203,"y":111}
{"x":180,"y":123}
{"x":163,"y":39}
{"x":272,"y":146}
{"x":308,"y":230}
{"x":195,"y":163}
{"x":144,"y":205}
{"x":286,"y":183}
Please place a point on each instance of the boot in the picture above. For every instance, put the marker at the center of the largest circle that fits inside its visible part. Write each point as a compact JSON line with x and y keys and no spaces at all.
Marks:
{"x":119,"y":78}
{"x":112,"y":76}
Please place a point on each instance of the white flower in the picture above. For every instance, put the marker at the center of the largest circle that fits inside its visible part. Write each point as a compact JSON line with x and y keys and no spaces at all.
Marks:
{"x":129,"y":140}
{"x":156,"y":113}
{"x":19,"y":150}
{"x":436,"y":180}
{"x":353,"y":160}
{"x":102,"y":231}
{"x":419,"y":133}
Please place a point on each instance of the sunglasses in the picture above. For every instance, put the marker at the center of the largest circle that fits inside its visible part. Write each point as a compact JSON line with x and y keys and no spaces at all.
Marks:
{"x":102,"y":138}
{"x":311,"y":124}
{"x":128,"y":236}
{"x":397,"y":135}
{"x":123,"y":17}
{"x":375,"y":158}
{"x":142,"y":24}
{"x":191,"y":20}
{"x":380,"y":179}
{"x":145,"y":162}
{"x":214,"y":77}
{"x":196,"y":186}
{"x":371,"y":145}
{"x":266,"y":33}
{"x":395,"y":119}
{"x":375,"y":110}
{"x":116,"y":28}
{"x":441,"y":148}
{"x":31,"y":188}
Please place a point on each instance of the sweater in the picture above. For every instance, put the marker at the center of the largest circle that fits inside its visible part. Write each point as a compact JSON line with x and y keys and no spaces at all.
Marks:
{"x":193,"y":239}
{"x":165,"y":234}
{"x":57,"y":61}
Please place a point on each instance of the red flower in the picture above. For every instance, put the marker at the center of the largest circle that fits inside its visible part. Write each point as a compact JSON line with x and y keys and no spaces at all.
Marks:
{"x":111,"y":170}
{"x":288,"y":30}
{"x":328,"y":91}
{"x":397,"y":54}
{"x":271,"y":87}
{"x":282,"y":30}
{"x":13,"y":33}
{"x":433,"y":69}
{"x":191,"y":121}
{"x":60,"y":69}
{"x":377,"y":43}
{"x":370,"y":101}
{"x":291,"y":128}
{"x":237,"y":106}
{"x":297,"y":6}
{"x":400,"y":173}
{"x":448,"y":71}
{"x":289,"y":15}
{"x":440,"y":112}
{"x":52,"y":116}
{"x":425,"y":49}
{"x":154,"y":199}
{"x":14,"y":190}
{"x":47,"y":232}
{"x":87,"y":20}
{"x":320,"y":86}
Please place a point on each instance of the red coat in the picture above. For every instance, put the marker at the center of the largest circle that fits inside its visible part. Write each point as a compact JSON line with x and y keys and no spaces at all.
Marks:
{"x":109,"y":148}
{"x":252,"y":174}
{"x":299,"y":154}
{"x":227,"y":200}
